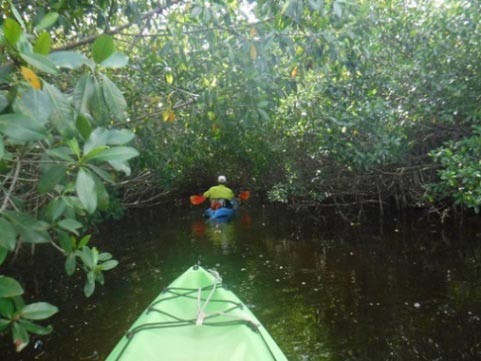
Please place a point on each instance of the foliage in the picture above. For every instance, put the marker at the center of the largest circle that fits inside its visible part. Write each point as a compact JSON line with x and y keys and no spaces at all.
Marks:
{"x":59,"y":148}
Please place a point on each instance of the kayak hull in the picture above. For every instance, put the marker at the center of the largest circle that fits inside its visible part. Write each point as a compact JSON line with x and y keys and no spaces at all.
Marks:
{"x":197,"y":319}
{"x":219,"y":214}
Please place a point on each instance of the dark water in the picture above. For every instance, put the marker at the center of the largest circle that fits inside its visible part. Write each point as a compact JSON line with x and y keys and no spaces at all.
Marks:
{"x":406,"y":290}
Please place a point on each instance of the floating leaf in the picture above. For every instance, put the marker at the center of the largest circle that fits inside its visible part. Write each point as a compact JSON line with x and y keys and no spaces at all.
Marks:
{"x":31,"y":77}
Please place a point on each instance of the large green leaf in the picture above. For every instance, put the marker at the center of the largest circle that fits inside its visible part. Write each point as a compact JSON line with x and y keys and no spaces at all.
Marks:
{"x":47,"y":21}
{"x":31,"y":230}
{"x":121,"y":167}
{"x":34,"y":103}
{"x":116,"y":60}
{"x":102,"y":194}
{"x":40,"y":62}
{"x":119,"y":136}
{"x":63,"y":153}
{"x":71,"y":225}
{"x":42,"y":44}
{"x":51,"y":177}
{"x":86,"y":192}
{"x":97,"y":107}
{"x":116,"y":154}
{"x":21,"y":128}
{"x":3,"y":257}
{"x":96,"y":139}
{"x":38,"y":311}
{"x":8,"y":235}
{"x":69,"y":59}
{"x":102,"y":48}
{"x":11,"y":31}
{"x":3,"y":102}
{"x":114,"y":99}
{"x":36,"y":329}
{"x":82,"y":94}
{"x":83,"y":126}
{"x":9,"y":287}
{"x":63,"y":116}
{"x":55,"y":209}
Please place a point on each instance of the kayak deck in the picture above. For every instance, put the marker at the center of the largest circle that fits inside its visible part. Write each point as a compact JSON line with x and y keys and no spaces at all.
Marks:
{"x":196,"y":318}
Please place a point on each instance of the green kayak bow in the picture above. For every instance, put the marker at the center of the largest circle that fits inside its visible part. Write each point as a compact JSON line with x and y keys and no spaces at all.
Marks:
{"x":197,"y":319}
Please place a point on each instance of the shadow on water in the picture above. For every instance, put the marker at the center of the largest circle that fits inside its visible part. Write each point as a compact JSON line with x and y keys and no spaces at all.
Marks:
{"x":401,"y":290}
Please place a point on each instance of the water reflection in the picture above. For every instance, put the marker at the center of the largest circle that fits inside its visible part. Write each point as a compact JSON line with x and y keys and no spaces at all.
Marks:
{"x":405,"y":291}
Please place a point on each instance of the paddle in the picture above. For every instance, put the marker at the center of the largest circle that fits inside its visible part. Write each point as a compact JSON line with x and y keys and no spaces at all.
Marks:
{"x":244,"y":195}
{"x":196,"y":200}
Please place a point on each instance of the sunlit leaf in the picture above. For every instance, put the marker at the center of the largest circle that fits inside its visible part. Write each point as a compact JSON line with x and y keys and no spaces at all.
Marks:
{"x":169,"y":78}
{"x":11,"y":31}
{"x":42,"y":44}
{"x":117,"y":154}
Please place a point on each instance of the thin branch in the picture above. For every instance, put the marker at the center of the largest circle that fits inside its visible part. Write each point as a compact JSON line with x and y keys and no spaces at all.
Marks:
{"x":12,"y":185}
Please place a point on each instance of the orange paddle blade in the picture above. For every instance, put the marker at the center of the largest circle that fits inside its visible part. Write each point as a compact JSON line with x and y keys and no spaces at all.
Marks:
{"x":244,"y":195}
{"x":196,"y":200}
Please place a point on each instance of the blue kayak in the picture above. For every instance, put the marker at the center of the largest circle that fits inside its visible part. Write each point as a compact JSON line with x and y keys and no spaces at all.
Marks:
{"x":222,"y":214}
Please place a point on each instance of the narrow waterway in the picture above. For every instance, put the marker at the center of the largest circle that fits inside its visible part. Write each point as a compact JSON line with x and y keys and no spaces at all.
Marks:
{"x":402,"y":290}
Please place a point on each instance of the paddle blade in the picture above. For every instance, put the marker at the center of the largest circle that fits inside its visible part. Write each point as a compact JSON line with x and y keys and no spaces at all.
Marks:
{"x":244,"y":195}
{"x":196,"y":200}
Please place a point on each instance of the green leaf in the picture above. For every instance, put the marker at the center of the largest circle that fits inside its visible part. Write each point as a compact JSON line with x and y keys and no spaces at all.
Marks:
{"x":69,"y":59}
{"x":82,"y":94}
{"x":84,"y":241}
{"x":102,"y":194}
{"x":47,"y":21}
{"x":21,"y":128}
{"x":2,"y":149}
{"x":63,"y":117}
{"x":4,"y":323}
{"x":20,"y":336}
{"x":36,"y":329}
{"x":40,"y":62}
{"x":120,"y":167}
{"x":119,"y":136}
{"x":102,"y":48}
{"x":114,"y":99}
{"x":43,"y":44}
{"x":87,"y":258}
{"x":7,"y":307}
{"x":3,"y":256}
{"x":97,"y":107}
{"x":108,"y":265}
{"x":70,"y":224}
{"x":34,"y":103}
{"x":116,"y":60}
{"x":63,"y":153}
{"x":83,"y":126}
{"x":116,"y":154}
{"x":9,"y":287}
{"x":38,"y":311}
{"x":102,"y":173}
{"x":70,"y":264}
{"x":105,"y":256}
{"x":11,"y":31}
{"x":85,"y":187}
{"x":55,"y":209}
{"x":8,"y":235}
{"x":96,"y":139}
{"x":31,"y":230}
{"x":3,"y":102}
{"x":89,"y":288}
{"x":53,"y":176}
{"x":92,"y":153}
